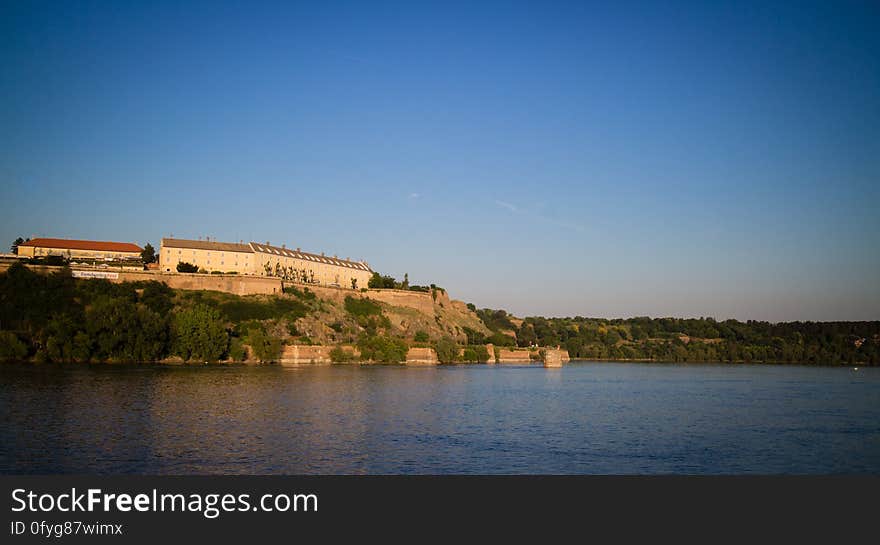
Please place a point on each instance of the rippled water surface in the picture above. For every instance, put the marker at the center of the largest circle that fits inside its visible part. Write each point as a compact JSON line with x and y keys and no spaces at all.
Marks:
{"x":584,"y":418}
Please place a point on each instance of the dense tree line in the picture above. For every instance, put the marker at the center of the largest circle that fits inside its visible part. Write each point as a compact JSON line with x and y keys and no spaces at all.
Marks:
{"x":695,"y":339}
{"x":57,"y":318}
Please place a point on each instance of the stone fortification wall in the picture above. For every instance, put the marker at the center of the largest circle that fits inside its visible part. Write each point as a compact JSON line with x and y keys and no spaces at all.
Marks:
{"x":238,"y":285}
{"x":423,"y":302}
{"x":295,"y":354}
{"x":421,"y":356}
{"x":506,"y":355}
{"x":229,"y":283}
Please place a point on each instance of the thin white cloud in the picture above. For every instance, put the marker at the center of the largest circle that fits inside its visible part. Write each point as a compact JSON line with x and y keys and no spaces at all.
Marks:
{"x":512,"y":207}
{"x":414,"y":196}
{"x":538,"y":213}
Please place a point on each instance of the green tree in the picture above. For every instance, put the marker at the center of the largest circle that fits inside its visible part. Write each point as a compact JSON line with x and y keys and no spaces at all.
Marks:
{"x":612,"y":337}
{"x":185,"y":267}
{"x":382,"y":349}
{"x":121,"y":330}
{"x":341,"y":355}
{"x":266,"y":347}
{"x":447,"y":350}
{"x":482,"y":353}
{"x":378,"y":281}
{"x":148,"y":255}
{"x":237,"y":350}
{"x":198,"y":333}
{"x":18,"y":242}
{"x":526,"y":335}
{"x":11,"y":347}
{"x":421,"y":337}
{"x":500,"y":339}
{"x":474,"y":336}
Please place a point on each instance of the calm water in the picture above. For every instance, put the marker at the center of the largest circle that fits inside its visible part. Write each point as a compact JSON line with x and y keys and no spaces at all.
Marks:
{"x":584,"y":418}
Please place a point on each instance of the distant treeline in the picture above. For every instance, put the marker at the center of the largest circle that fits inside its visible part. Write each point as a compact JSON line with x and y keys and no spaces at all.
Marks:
{"x":691,"y":340}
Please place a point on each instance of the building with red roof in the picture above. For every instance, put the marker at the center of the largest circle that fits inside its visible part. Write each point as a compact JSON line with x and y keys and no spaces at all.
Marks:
{"x":79,"y":249}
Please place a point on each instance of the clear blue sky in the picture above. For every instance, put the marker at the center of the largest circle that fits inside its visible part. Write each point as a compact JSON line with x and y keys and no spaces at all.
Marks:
{"x":609,"y":159}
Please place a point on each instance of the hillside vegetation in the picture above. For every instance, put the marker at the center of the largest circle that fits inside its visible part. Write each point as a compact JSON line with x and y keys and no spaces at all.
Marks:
{"x":54,"y":317}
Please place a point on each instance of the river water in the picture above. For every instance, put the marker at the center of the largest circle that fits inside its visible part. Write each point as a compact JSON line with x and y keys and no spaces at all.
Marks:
{"x":607,"y":418}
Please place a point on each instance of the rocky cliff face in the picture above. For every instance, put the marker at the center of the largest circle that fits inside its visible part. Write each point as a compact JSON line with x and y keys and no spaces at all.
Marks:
{"x":407,"y":312}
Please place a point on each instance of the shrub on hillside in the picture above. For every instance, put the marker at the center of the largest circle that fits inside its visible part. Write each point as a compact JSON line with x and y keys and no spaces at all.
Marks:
{"x":368,"y":314}
{"x":382,"y":349}
{"x":500,"y":339}
{"x":340,"y":355}
{"x":199,"y":333}
{"x":447,"y":350}
{"x":237,"y":349}
{"x":357,"y":306}
{"x":265,"y":346}
{"x":240,"y":309}
{"x":475,"y":354}
{"x":118,"y":330}
{"x":11,"y":347}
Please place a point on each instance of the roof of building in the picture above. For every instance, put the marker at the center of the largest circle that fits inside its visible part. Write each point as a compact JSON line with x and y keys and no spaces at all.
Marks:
{"x":95,"y":245}
{"x":205,"y":245}
{"x":287,"y":252}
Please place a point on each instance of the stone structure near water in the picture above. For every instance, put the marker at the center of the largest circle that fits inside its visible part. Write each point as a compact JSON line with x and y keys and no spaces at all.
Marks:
{"x":421,"y":356}
{"x":295,"y":354}
{"x":507,"y":355}
{"x":555,"y":357}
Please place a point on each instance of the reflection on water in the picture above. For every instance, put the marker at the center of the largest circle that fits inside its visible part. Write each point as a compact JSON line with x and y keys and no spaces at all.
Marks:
{"x":584,"y":418}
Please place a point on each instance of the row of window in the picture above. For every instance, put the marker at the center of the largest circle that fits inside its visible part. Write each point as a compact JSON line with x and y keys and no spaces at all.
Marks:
{"x":180,"y":252}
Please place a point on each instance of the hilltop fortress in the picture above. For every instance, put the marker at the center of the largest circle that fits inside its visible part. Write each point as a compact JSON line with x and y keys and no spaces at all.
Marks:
{"x":264,"y":260}
{"x":207,"y":257}
{"x":412,"y":316}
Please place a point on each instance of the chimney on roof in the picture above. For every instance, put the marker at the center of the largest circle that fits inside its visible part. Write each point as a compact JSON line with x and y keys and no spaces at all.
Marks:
{"x":267,"y":243}
{"x":348,"y":259}
{"x":322,"y":254}
{"x":297,"y":249}
{"x":284,"y":246}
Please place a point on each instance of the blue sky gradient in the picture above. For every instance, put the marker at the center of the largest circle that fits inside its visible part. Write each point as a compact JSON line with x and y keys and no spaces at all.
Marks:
{"x":596,"y":159}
